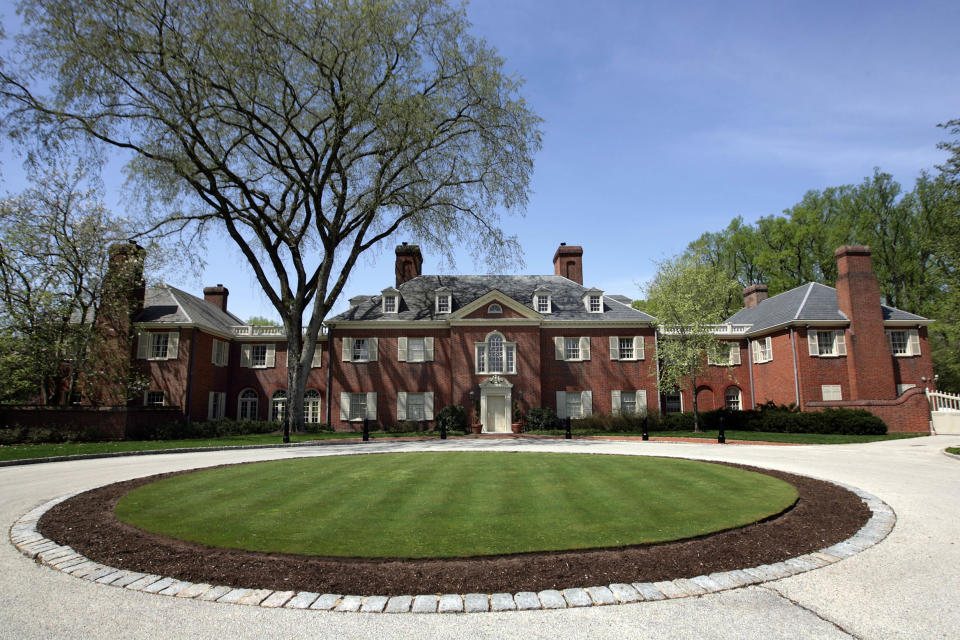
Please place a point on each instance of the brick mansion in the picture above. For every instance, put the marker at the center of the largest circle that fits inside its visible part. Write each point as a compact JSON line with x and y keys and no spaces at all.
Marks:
{"x":500,"y":345}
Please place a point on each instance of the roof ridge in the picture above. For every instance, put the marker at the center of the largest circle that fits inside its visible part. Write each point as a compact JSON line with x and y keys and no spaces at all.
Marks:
{"x":179,"y":304}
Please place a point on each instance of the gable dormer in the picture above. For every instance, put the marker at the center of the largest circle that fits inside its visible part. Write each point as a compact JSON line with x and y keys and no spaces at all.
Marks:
{"x":542,"y":300}
{"x":390,"y":301}
{"x":593,"y":300}
{"x":442,"y":301}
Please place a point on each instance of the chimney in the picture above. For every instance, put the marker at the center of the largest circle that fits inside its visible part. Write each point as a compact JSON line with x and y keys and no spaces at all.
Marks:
{"x":754,"y":295}
{"x":217,"y":296}
{"x":869,"y":363}
{"x":409,"y":261}
{"x":568,"y":262}
{"x":124,"y":279}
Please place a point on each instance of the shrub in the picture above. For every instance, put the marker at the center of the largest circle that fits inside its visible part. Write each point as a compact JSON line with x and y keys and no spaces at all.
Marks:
{"x":781,"y":419}
{"x":317,"y":427}
{"x":454,"y":416}
{"x":542,"y":419}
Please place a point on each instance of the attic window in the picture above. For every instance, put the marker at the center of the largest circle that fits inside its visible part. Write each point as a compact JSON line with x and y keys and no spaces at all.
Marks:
{"x":389,"y":304}
{"x":596,"y":306}
{"x":494,"y":308}
{"x":542,"y":302}
{"x":443,"y":302}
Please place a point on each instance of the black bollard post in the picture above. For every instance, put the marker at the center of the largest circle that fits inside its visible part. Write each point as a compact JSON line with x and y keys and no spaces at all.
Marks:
{"x":645,"y":436}
{"x":443,"y":429}
{"x":366,"y":430}
{"x":721,"y":437}
{"x":569,"y":434}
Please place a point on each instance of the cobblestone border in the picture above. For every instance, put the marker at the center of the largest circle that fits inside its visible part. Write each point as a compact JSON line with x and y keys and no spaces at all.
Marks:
{"x":26,"y":538}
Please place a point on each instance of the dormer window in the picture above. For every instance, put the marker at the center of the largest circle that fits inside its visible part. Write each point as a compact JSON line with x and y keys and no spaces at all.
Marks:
{"x":494,"y":308}
{"x":541,"y":301}
{"x":443,"y":301}
{"x":391,"y":300}
{"x":593,"y":300}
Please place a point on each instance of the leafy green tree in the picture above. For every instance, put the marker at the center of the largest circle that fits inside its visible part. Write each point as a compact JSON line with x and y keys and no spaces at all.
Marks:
{"x":261,"y":321}
{"x":309,"y":131}
{"x":689,"y":299}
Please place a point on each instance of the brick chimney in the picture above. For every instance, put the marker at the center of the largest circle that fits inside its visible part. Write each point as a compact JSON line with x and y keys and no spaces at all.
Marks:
{"x":409,"y":262}
{"x":124,"y":279}
{"x":754,"y":295}
{"x":217,"y":296}
{"x":869,"y":363}
{"x":568,"y":262}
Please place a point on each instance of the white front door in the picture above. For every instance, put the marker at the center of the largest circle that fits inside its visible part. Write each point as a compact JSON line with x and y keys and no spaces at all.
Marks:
{"x":496,"y":414}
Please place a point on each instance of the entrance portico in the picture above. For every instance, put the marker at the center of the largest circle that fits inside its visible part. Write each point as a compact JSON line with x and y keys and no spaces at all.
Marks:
{"x":496,"y":400}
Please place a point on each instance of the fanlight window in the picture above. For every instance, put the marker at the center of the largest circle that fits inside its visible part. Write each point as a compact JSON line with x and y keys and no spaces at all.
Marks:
{"x":248,"y":405}
{"x":495,"y":355}
{"x":278,"y":405}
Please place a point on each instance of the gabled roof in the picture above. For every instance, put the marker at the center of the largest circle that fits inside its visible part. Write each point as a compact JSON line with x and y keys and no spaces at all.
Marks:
{"x":812,"y":302}
{"x":164,"y":303}
{"x":417,"y":299}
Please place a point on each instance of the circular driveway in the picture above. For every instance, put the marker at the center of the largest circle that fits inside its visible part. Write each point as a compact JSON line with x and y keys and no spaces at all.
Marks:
{"x":906,"y":586}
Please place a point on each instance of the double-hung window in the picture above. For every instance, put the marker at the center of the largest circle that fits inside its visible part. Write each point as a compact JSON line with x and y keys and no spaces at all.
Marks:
{"x":153,"y":398}
{"x":216,"y":405}
{"x":221,"y":353}
{"x":153,"y":345}
{"x":415,"y":407}
{"x":359,"y":350}
{"x":628,"y":402}
{"x":415,"y":350}
{"x":543,"y":304}
{"x":358,"y":406}
{"x":826,"y":344}
{"x":572,"y":349}
{"x":904,"y":342}
{"x":574,"y":404}
{"x":496,"y":355}
{"x":596,"y":306}
{"x":258,"y":356}
{"x":763,"y":350}
{"x":159,"y":343}
{"x":732,"y":399}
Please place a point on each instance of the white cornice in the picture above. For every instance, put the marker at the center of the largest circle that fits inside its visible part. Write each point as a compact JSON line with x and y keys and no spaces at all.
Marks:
{"x":389,"y":324}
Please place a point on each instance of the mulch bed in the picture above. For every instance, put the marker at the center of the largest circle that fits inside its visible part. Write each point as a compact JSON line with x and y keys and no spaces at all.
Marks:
{"x":823,"y":515}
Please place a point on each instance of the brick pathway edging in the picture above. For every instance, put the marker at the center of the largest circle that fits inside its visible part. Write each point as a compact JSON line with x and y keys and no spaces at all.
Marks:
{"x":25,"y":537}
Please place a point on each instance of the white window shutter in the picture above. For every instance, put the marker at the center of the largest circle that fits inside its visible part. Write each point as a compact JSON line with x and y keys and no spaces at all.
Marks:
{"x":914,"y":349}
{"x":145,"y":398}
{"x":428,"y":349}
{"x":317,"y":360}
{"x":271,"y":356}
{"x":734,"y":353}
{"x":173,"y":345}
{"x":428,"y":405}
{"x":245,"y":355}
{"x":841,"y":342}
{"x":812,"y":344}
{"x":614,"y":348}
{"x":586,"y":403}
{"x":346,"y":352}
{"x":615,"y":402}
{"x":561,"y":404}
{"x":372,"y":349}
{"x":401,"y":349}
{"x":401,"y":405}
{"x":372,"y":405}
{"x":344,"y":405}
{"x":641,"y":402}
{"x":756,"y":351}
{"x":768,"y":346}
{"x":214,"y":351}
{"x":890,"y":340}
{"x":558,"y":348}
{"x":638,"y":348}
{"x":210,"y":397}
{"x":585,"y":348}
{"x":143,"y":345}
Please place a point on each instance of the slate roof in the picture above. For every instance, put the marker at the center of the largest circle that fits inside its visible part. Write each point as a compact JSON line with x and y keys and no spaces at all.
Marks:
{"x":417,"y":299}
{"x":810,"y":302}
{"x":164,"y":303}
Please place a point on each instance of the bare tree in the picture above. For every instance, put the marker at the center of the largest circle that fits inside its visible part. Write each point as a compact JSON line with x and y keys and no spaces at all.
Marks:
{"x":308,"y":130}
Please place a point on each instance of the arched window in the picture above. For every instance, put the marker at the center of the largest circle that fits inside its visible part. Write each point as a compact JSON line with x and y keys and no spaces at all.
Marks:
{"x":278,"y":405}
{"x":494,"y":308}
{"x":496,"y":355}
{"x":732,"y":399}
{"x":248,"y":405}
{"x":311,"y":407}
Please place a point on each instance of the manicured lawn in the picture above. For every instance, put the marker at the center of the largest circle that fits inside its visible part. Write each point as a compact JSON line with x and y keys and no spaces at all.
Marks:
{"x":754,"y":436}
{"x":455,"y":504}
{"x":954,"y":450}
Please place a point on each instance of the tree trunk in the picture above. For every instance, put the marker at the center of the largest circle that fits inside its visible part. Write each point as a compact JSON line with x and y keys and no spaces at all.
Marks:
{"x":696,"y":416}
{"x":296,"y":382}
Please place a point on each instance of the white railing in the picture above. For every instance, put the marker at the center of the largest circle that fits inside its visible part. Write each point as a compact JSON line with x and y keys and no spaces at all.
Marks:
{"x":720,"y":329}
{"x":940,"y":401}
{"x":253,"y":331}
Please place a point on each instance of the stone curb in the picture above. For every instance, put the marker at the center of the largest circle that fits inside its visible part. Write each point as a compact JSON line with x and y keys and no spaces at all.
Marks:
{"x":951,"y":455}
{"x":24,"y":536}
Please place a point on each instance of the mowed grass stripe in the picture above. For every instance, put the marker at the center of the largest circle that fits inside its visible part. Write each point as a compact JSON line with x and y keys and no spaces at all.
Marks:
{"x":457,"y":504}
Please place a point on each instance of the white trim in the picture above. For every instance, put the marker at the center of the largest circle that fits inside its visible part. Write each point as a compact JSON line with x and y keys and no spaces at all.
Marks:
{"x":495,"y":295}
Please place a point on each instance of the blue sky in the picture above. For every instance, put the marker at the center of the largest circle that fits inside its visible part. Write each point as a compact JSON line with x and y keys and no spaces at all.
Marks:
{"x":665,"y":120}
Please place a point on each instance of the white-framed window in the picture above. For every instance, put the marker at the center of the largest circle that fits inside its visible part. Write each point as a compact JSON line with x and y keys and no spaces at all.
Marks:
{"x":596,"y":304}
{"x":416,"y":350}
{"x":152,"y":345}
{"x":496,"y":355}
{"x":673,"y":401}
{"x":575,"y":349}
{"x":495,"y":308}
{"x":624,"y":402}
{"x":763,"y":350}
{"x":311,"y":407}
{"x":574,"y":404}
{"x":358,"y":406}
{"x":258,"y":356}
{"x":278,"y":405}
{"x":732,"y":399}
{"x":216,"y":405}
{"x":390,"y":304}
{"x":317,"y":361}
{"x":593,"y":300}
{"x":154,"y":399}
{"x":542,"y":303}
{"x":727,"y":354}
{"x":360,"y":350}
{"x":390,"y":300}
{"x":904,"y":343}
{"x":248,"y":405}
{"x":443,"y":304}
{"x":415,"y":406}
{"x":903,"y":387}
{"x":221,"y":353}
{"x":831,"y":392}
{"x":626,"y":348}
{"x":827,"y":344}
